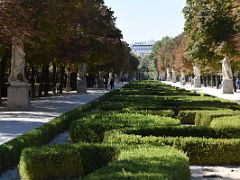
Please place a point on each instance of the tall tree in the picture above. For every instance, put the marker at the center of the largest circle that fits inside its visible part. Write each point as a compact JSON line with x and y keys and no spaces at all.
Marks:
{"x":165,"y":54}
{"x":211,"y":26}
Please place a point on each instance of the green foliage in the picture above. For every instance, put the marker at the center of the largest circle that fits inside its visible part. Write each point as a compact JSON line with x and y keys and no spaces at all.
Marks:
{"x":187,"y":117}
{"x":166,"y":113}
{"x":10,"y":152}
{"x":50,"y":162}
{"x":154,"y":96}
{"x":67,"y":32}
{"x":64,"y":161}
{"x":146,"y":163}
{"x":227,"y":122}
{"x":147,"y":68}
{"x":204,"y":118}
{"x":199,"y":150}
{"x":93,"y":127}
{"x":210,"y":27}
{"x":186,"y":131}
{"x":165,"y":58}
{"x":132,"y":126}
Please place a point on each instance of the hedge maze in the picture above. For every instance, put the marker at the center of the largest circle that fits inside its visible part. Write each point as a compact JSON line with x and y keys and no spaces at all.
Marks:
{"x":146,"y":130}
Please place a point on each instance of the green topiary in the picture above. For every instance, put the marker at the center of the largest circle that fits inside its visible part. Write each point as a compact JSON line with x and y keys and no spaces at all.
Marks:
{"x":64,"y":161}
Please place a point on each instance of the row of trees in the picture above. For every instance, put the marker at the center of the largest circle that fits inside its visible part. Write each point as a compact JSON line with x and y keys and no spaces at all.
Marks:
{"x":61,"y":35}
{"x":212,"y":32}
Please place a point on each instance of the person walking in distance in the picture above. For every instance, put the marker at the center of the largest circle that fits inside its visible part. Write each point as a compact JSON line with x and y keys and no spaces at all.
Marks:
{"x":112,"y":83}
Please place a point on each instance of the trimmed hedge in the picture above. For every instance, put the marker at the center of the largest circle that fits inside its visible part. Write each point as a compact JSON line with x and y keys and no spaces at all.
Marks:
{"x":226,"y":123}
{"x":64,"y":161}
{"x":165,"y":113}
{"x":10,"y":152}
{"x":93,"y":127}
{"x":199,"y":150}
{"x":187,"y":117}
{"x":146,"y":163}
{"x":186,"y":131}
{"x":203,"y":117}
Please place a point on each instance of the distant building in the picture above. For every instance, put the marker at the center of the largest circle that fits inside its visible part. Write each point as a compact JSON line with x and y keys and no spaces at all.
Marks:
{"x":142,"y":48}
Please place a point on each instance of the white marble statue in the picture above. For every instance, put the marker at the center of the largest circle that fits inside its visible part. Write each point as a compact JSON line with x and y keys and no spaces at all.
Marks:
{"x":168,"y":75}
{"x":17,"y":63}
{"x":226,"y":70}
{"x":196,"y":71}
{"x":174,"y":78}
{"x":173,"y":74}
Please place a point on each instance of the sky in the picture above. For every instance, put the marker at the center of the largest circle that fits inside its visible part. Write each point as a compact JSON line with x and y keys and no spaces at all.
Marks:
{"x":145,"y":20}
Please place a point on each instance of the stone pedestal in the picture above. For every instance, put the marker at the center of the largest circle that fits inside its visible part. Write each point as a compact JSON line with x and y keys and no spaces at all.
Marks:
{"x":169,"y":78}
{"x":197,"y":82}
{"x":18,"y":96}
{"x":182,"y":81}
{"x":81,"y":86}
{"x":174,"y":79}
{"x":227,"y":86}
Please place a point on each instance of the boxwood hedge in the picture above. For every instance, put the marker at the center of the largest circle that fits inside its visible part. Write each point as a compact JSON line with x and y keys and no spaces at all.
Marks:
{"x":10,"y":152}
{"x":64,"y":161}
{"x":226,"y":123}
{"x":93,"y":127}
{"x":146,"y":163}
{"x":199,"y":150}
{"x":186,"y":131}
{"x":203,"y":117}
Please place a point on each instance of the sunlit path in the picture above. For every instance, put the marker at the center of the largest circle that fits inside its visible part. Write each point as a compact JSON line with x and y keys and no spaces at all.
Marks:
{"x":15,"y":123}
{"x":207,"y":90}
{"x":42,"y":110}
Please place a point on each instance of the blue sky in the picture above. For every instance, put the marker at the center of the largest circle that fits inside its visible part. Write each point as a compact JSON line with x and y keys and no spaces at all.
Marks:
{"x":143,"y":20}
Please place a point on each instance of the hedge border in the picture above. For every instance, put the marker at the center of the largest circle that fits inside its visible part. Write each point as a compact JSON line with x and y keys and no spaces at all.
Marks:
{"x":201,"y":151}
{"x":65,"y":161}
{"x":10,"y":151}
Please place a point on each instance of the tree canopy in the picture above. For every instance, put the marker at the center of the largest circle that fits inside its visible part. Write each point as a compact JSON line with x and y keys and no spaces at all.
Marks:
{"x":67,"y":32}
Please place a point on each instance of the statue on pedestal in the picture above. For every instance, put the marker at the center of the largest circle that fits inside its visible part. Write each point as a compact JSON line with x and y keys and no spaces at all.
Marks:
{"x":196,"y":72}
{"x":183,"y":81}
{"x":174,"y":78}
{"x":18,"y":91}
{"x":17,"y":63}
{"x":226,"y":70}
{"x":168,"y":75}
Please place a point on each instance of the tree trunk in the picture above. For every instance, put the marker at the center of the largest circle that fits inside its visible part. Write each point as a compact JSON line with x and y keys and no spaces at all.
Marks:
{"x":3,"y":64}
{"x":54,"y":79}
{"x":41,"y":82}
{"x":62,"y":79}
{"x":217,"y":82}
{"x":46,"y":80}
{"x":68,"y":84}
{"x":32,"y":80}
{"x":234,"y":80}
{"x":211,"y":80}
